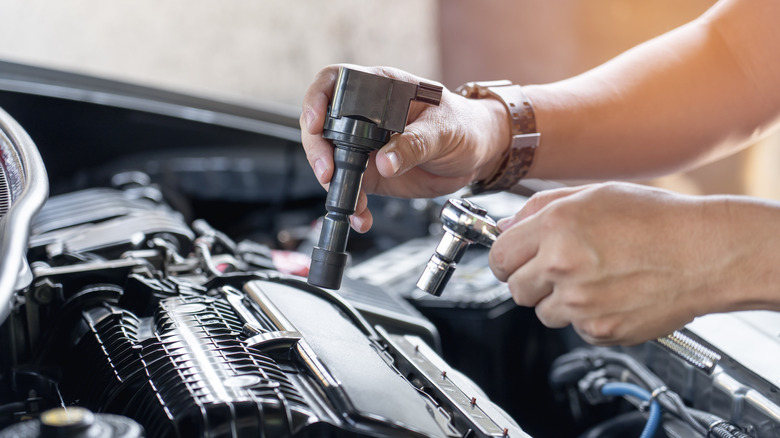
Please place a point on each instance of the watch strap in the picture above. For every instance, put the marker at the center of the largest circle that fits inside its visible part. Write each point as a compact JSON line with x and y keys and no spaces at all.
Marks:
{"x":519,"y":155}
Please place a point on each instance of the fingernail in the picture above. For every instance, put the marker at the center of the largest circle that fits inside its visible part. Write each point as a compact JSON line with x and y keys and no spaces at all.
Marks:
{"x":319,"y":170}
{"x":309,"y":115}
{"x":505,"y":223}
{"x":395,"y":160}
{"x":356,"y":222}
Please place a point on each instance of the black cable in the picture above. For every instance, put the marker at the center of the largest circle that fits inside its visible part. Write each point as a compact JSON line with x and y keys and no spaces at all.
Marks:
{"x":718,"y":427}
{"x":10,"y":408}
{"x":628,"y":424}
{"x":594,"y":358}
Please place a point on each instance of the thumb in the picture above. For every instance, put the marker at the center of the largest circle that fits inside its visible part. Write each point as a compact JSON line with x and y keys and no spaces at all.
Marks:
{"x":415,"y":146}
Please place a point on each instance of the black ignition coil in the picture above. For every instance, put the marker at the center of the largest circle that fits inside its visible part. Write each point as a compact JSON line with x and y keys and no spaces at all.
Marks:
{"x":364,"y":112}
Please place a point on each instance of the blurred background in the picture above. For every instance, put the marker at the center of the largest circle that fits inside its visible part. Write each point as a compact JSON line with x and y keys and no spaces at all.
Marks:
{"x":270,"y":51}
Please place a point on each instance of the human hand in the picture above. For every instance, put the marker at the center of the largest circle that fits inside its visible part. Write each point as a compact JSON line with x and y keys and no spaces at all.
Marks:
{"x":622,"y":263}
{"x":442,"y":149}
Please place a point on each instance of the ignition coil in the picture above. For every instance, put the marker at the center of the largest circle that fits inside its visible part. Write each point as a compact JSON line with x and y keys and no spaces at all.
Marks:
{"x":364,"y":112}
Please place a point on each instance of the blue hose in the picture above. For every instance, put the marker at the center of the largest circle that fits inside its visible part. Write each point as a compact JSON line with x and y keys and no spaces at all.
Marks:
{"x":623,"y":389}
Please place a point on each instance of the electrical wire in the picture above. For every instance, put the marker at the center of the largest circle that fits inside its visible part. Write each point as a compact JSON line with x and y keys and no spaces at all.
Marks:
{"x":620,"y":367}
{"x":579,"y":362}
{"x":629,"y":389}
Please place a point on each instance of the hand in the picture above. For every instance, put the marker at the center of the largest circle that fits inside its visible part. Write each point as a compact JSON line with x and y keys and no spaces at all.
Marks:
{"x":623,"y":263}
{"x":442,"y":149}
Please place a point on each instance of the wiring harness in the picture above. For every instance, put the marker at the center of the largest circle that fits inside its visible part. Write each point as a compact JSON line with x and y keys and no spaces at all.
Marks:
{"x":601,"y":374}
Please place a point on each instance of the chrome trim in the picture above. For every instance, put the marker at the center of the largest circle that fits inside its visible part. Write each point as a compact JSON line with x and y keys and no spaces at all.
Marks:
{"x":289,"y":332}
{"x":449,"y":383}
{"x":316,"y":366}
{"x":15,"y":225}
{"x":264,"y":340}
{"x":234,"y":297}
{"x":274,"y":314}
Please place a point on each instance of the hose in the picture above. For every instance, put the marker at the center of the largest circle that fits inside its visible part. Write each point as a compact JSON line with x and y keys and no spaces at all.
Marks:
{"x":629,"y":389}
{"x":10,"y":408}
{"x":621,"y":426}
{"x":567,"y":368}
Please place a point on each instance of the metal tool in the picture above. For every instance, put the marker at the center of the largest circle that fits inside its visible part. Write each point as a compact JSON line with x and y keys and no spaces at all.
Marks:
{"x":466,"y":223}
{"x":364,"y":112}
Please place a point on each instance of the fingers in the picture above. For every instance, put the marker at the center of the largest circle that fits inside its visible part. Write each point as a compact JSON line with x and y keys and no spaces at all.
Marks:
{"x":319,"y":151}
{"x":362,"y":220}
{"x":413,"y":147}
{"x":315,"y":101}
{"x":432,"y":133}
{"x":527,"y":287}
{"x":315,"y":104}
{"x":514,"y":248}
{"x":537,"y":202}
{"x":532,"y":285}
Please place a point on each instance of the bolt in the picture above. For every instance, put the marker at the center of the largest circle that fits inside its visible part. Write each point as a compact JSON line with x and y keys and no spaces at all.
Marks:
{"x":44,"y":292}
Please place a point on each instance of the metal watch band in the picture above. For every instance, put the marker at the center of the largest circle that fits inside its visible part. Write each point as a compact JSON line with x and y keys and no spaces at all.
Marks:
{"x":519,"y":156}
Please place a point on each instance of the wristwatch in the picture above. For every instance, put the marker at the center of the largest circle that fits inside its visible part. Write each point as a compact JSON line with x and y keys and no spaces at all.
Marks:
{"x":520,"y":154}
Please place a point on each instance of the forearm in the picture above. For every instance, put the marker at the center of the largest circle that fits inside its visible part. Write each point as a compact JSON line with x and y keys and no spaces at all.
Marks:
{"x":687,"y":97}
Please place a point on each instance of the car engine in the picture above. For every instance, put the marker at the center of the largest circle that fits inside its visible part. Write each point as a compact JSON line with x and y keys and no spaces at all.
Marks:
{"x":192,"y":334}
{"x":160,"y":291}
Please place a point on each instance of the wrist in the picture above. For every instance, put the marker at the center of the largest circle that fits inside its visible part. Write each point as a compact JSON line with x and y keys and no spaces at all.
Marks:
{"x":745,"y":273}
{"x":517,"y":158}
{"x":755,"y":225}
{"x":495,"y":138}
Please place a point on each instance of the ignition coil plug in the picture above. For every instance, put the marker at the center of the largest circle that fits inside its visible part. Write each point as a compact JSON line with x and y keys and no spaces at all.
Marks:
{"x":364,"y":112}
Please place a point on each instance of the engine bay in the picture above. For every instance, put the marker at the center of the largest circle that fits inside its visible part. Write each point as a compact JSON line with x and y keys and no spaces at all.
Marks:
{"x":160,"y":291}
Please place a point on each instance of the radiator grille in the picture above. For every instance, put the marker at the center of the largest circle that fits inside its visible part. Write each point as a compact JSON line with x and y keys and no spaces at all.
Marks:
{"x":5,"y":194}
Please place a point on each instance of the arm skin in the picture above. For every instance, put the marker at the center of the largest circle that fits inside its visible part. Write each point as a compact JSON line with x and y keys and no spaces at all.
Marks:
{"x":621,"y":263}
{"x":680,"y":100}
{"x":624,"y":263}
{"x":690,"y":96}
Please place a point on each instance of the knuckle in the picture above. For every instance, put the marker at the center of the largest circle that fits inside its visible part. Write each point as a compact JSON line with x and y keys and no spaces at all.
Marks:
{"x":496,"y":259}
{"x":519,"y":296}
{"x":574,"y":299}
{"x":558,"y":217}
{"x":569,"y":256}
{"x":417,"y":145}
{"x":601,"y":331}
{"x":390,"y":72}
{"x":544,"y":316}
{"x":536,"y":202}
{"x":550,"y":317}
{"x":561,"y":264}
{"x":328,"y":73}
